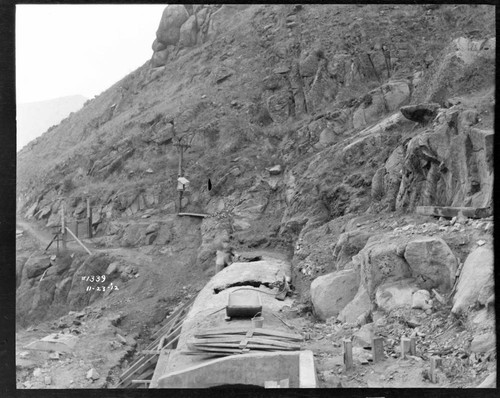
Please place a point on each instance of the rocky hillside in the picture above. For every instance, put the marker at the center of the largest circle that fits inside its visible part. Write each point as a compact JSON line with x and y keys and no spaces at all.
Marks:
{"x":313,"y":129}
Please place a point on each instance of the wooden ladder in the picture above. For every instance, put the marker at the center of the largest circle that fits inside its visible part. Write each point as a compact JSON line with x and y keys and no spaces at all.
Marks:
{"x":141,"y":371}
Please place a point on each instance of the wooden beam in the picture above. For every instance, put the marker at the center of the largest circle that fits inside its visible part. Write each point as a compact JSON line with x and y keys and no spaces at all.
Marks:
{"x":78,"y":240}
{"x":244,"y":330}
{"x":450,"y":212}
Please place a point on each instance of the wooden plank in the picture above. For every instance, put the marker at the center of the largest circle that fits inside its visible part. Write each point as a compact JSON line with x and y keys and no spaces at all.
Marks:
{"x":449,"y":212}
{"x":150,"y":362}
{"x":275,"y":338}
{"x":222,"y":350}
{"x":175,"y":320}
{"x":237,"y":345}
{"x":238,"y":339}
{"x":261,"y":331}
{"x":140,"y":381}
{"x":172,"y":335}
{"x":137,"y":366}
{"x":173,"y":316}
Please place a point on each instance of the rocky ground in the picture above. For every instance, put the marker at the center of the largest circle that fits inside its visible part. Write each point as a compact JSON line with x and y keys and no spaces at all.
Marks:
{"x":112,"y":330}
{"x":316,"y":131}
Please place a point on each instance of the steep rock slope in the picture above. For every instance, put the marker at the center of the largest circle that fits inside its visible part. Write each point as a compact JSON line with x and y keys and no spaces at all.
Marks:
{"x":292,"y":113}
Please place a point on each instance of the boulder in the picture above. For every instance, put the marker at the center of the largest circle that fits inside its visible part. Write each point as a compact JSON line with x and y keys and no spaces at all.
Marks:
{"x":309,"y":63}
{"x":357,"y":308}
{"x":31,"y":211}
{"x":275,"y":170}
{"x":188,"y":32}
{"x":421,"y":300}
{"x":173,"y":17}
{"x":278,"y":106}
{"x":36,"y":266}
{"x":483,"y":343}
{"x":92,"y":374}
{"x":379,"y":260}
{"x":327,"y":136}
{"x":154,"y":227}
{"x":475,"y":279}
{"x":363,"y":337}
{"x":432,"y":262}
{"x":160,"y":58}
{"x":395,"y":294}
{"x":332,"y":292}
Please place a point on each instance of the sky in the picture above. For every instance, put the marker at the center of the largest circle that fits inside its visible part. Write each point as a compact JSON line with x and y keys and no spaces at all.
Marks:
{"x":64,"y":50}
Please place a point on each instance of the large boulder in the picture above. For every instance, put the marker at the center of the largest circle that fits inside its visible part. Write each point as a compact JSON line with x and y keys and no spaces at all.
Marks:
{"x":380,"y":260}
{"x":36,"y":266}
{"x":188,"y":32}
{"x":432,"y":262}
{"x":476,"y":279}
{"x":483,"y":343}
{"x":171,"y":21}
{"x":391,"y":295}
{"x":332,"y":292}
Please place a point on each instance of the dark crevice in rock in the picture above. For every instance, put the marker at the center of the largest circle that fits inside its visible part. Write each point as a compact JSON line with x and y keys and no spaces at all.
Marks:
{"x":256,"y":284}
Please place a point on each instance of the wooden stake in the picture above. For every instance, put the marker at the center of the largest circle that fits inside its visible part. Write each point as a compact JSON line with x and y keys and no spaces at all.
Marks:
{"x":413,"y":345}
{"x":436,"y":363}
{"x":347,"y":353}
{"x":405,"y":346}
{"x":377,"y":349}
{"x":63,"y":228}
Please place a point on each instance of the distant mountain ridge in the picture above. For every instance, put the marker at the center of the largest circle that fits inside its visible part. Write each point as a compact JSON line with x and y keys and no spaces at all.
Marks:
{"x":34,"y":118}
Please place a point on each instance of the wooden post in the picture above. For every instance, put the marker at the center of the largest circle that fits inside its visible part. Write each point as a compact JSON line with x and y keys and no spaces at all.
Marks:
{"x":76,"y":228}
{"x":405,"y":346}
{"x":180,"y":171}
{"x":89,"y":217}
{"x":436,"y":363}
{"x":63,"y":228}
{"x":377,"y":349}
{"x":347,"y":353}
{"x":413,"y":345}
